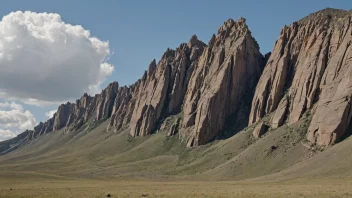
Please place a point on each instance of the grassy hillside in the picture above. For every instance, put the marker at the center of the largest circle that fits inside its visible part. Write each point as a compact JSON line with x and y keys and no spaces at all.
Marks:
{"x":92,"y":156}
{"x":94,"y":152}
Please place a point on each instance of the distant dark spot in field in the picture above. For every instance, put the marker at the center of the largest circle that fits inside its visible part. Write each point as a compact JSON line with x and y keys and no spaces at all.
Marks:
{"x":144,"y":195}
{"x":108,"y":195}
{"x":273,"y":148}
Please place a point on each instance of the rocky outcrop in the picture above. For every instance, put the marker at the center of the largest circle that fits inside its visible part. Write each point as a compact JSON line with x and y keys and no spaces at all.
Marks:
{"x":78,"y":114}
{"x":280,"y":114}
{"x":71,"y":116}
{"x":227,"y":71}
{"x":151,"y":98}
{"x":333,"y":112}
{"x":62,"y":115}
{"x":309,"y":64}
{"x":174,"y":127}
{"x":260,"y":129}
{"x":105,"y":101}
{"x":123,"y":107}
{"x":162,"y":88}
{"x":43,"y":128}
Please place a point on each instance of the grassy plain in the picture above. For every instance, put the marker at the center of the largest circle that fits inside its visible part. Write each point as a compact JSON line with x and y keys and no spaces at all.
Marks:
{"x":94,"y":162}
{"x":32,"y":185}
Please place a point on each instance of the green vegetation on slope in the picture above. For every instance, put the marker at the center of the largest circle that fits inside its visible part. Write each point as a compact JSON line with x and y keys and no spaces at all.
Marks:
{"x":94,"y":152}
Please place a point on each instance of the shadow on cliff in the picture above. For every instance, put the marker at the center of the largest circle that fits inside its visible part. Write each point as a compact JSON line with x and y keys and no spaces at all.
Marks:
{"x":347,"y":134}
{"x":237,"y":121}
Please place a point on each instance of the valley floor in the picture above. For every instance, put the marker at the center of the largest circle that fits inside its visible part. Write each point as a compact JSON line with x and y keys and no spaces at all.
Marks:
{"x":36,"y":185}
{"x":94,"y":162}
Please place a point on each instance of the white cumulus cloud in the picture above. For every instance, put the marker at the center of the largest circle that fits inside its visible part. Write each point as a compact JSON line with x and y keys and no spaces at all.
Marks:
{"x":14,"y":119}
{"x":50,"y":114}
{"x":44,"y":60}
{"x":6,"y":134}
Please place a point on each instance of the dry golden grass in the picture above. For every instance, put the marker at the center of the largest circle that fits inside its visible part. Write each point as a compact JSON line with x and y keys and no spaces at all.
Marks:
{"x":32,"y":185}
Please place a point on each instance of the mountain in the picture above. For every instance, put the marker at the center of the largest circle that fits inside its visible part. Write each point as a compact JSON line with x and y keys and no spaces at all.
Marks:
{"x":309,"y":70}
{"x":205,"y":83}
{"x":224,"y":79}
{"x":243,"y":114}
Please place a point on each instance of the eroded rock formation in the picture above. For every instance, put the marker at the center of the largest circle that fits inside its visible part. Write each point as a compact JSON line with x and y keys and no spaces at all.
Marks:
{"x":227,"y":71}
{"x":71,"y":116}
{"x":163,"y":87}
{"x":123,"y":107}
{"x":309,"y":65}
{"x":333,"y":113}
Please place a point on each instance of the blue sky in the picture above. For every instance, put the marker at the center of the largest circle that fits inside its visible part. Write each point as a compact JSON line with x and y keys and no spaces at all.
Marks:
{"x":139,"y":31}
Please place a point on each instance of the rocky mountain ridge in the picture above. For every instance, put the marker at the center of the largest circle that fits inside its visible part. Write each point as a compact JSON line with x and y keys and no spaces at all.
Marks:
{"x":229,"y":82}
{"x":308,"y":70}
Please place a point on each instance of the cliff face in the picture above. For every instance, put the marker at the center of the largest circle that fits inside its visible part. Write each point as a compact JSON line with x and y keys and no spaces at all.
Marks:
{"x":162,"y":88}
{"x":123,"y":107}
{"x":207,"y":83}
{"x":309,"y":66}
{"x":227,"y":70}
{"x":225,"y":82}
{"x":333,"y":111}
{"x":72,"y":116}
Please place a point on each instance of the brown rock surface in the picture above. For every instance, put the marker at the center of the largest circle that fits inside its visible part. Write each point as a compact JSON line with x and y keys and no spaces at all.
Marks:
{"x":333,"y":113}
{"x":280,"y":114}
{"x":62,"y":116}
{"x":309,"y":63}
{"x":123,"y":107}
{"x":105,"y":101}
{"x":151,"y":97}
{"x":227,"y":70}
{"x":72,"y":116}
{"x":163,"y":87}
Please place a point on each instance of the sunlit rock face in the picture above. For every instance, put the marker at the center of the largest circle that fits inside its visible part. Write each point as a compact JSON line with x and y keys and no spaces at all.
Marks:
{"x":309,"y":66}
